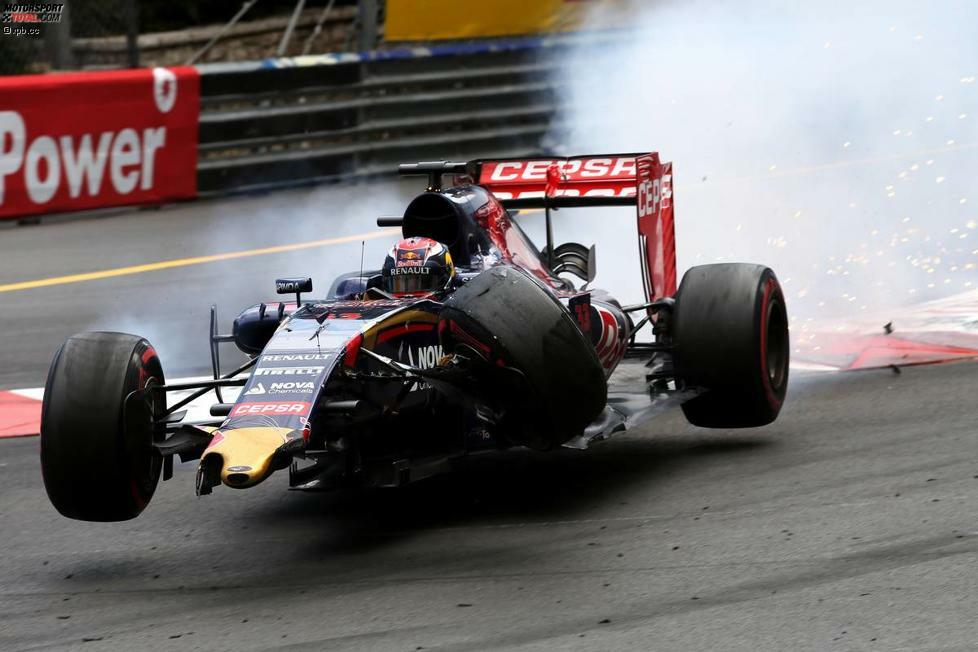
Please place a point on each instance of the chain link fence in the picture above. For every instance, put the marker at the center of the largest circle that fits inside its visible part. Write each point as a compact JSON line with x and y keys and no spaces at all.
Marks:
{"x":106,"y":34}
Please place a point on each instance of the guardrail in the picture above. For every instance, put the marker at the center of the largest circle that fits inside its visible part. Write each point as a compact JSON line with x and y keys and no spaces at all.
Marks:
{"x":289,"y":121}
{"x":155,"y":135}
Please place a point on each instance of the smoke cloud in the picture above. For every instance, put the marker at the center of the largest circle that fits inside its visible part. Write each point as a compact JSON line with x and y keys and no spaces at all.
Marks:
{"x":836,"y":142}
{"x":171,"y":308}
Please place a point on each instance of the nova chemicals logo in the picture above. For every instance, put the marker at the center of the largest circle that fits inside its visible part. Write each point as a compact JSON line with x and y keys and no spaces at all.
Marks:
{"x":281,"y":388}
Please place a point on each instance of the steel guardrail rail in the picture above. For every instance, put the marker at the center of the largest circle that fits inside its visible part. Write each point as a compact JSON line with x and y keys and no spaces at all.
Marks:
{"x":282,"y":122}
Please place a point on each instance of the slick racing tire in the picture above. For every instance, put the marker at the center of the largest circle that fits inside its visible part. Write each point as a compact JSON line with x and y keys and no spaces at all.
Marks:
{"x":96,"y":448}
{"x":537,"y":363}
{"x":730,"y":332}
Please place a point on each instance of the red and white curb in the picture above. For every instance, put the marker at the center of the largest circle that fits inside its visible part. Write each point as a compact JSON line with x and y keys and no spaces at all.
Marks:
{"x":20,"y":409}
{"x":937,"y":331}
{"x":20,"y":412}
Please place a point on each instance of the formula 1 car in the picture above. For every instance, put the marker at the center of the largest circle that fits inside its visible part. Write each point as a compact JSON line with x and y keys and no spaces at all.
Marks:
{"x":366,"y":388}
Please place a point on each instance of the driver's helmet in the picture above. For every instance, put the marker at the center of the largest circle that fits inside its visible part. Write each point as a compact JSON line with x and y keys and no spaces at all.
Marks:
{"x":416,"y":267}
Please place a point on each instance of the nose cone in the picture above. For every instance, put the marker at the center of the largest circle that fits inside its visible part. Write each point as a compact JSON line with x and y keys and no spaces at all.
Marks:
{"x":248,"y":455}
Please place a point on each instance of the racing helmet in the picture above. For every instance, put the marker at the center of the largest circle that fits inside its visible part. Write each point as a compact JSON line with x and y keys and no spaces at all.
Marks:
{"x":416,"y":267}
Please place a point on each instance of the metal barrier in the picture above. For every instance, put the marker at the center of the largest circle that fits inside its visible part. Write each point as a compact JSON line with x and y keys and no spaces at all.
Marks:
{"x":290,"y":121}
{"x":145,"y":136}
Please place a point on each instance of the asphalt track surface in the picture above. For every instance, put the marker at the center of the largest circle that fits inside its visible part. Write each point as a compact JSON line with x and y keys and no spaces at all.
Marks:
{"x":850,"y":523}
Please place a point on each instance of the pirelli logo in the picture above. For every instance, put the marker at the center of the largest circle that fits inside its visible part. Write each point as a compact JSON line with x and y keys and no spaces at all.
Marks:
{"x":311,"y":370}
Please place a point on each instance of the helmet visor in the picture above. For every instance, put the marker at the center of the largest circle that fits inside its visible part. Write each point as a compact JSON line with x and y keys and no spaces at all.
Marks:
{"x":414,"y":282}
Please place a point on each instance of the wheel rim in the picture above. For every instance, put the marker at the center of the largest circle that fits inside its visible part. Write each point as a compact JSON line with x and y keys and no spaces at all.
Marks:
{"x":776,"y":359}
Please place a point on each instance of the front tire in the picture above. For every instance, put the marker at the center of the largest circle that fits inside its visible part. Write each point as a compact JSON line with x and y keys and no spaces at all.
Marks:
{"x":96,"y":453}
{"x":730,"y":332}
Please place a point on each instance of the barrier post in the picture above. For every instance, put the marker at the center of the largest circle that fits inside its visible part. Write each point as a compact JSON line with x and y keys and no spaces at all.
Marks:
{"x":368,"y":26}
{"x":58,"y":40}
{"x":132,"y":33}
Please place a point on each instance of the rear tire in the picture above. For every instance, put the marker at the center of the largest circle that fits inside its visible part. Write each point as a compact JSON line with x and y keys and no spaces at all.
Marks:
{"x":730,"y":331}
{"x":515,"y":323}
{"x":97,"y":457}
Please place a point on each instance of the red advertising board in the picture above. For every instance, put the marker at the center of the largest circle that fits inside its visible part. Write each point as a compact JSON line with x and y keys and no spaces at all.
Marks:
{"x":93,"y":139}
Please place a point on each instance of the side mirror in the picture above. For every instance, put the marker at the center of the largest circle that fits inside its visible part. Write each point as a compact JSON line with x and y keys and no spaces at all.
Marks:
{"x":294,"y":285}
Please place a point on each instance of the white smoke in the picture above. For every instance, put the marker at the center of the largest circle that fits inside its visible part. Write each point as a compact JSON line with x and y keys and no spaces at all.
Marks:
{"x":174,"y":316}
{"x":836,"y":142}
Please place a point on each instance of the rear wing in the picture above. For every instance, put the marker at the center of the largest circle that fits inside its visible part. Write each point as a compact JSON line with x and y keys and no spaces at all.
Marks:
{"x":557,"y":182}
{"x":637,"y":179}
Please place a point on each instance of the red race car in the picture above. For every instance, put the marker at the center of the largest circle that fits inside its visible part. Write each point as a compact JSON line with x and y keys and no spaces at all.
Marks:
{"x":469,"y":338}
